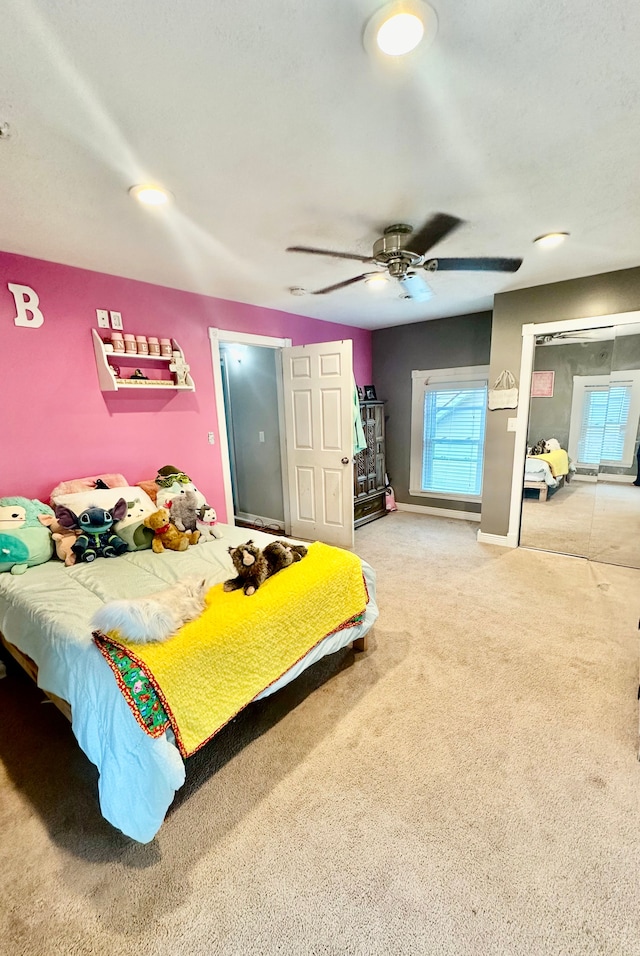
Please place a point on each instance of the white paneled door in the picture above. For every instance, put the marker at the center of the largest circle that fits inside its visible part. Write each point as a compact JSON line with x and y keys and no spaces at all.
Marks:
{"x":318,"y":405}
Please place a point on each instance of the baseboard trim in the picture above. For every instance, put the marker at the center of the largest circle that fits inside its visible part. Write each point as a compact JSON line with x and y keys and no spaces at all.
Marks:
{"x":439,"y":512}
{"x":623,"y":479}
{"x":502,"y":540}
{"x":603,"y":476}
{"x":258,"y":520}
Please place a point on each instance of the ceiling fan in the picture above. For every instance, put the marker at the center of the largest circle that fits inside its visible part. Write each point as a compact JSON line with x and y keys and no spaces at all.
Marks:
{"x":403,"y":250}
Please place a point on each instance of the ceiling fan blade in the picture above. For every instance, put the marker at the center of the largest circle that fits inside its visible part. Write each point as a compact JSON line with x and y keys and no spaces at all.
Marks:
{"x":329,"y":252}
{"x":433,"y":231}
{"x":482,"y":264}
{"x":342,"y":285}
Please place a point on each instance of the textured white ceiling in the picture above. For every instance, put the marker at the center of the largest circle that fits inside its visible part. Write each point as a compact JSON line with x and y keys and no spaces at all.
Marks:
{"x":273,"y":126}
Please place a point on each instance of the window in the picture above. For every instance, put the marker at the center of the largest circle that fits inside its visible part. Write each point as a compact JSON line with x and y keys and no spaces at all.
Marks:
{"x":448,"y":430}
{"x":605,"y":414}
{"x":604,"y":419}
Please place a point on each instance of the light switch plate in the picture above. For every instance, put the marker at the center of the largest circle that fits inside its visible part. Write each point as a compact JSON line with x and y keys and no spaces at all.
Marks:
{"x":511,"y":424}
{"x":116,"y":320}
{"x":103,"y":318}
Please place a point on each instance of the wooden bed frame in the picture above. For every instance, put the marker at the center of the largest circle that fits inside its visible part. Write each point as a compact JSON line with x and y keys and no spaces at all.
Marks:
{"x":543,"y":487}
{"x":31,"y":668}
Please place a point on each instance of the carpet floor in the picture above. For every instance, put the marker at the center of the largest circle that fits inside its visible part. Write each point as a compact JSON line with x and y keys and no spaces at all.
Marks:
{"x":469,"y":785}
{"x":599,"y":520}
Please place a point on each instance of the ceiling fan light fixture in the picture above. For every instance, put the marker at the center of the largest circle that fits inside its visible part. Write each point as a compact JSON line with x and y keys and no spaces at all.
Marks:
{"x":377,"y":281}
{"x":150,"y":194}
{"x":399,"y":28}
{"x":551,"y":239}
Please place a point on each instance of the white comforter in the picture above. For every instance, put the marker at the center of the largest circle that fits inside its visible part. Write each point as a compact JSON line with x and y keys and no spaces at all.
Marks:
{"x":46,"y":612}
{"x":537,"y":469}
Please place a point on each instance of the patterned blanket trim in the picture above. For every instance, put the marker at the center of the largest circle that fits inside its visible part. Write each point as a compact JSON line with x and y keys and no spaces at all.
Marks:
{"x":145,"y":698}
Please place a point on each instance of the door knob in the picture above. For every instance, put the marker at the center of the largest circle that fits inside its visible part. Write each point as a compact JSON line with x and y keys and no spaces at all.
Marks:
{"x":345,"y":461}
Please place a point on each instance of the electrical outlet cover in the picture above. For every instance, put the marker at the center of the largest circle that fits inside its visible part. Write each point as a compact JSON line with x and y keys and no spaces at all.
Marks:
{"x":103,"y":318}
{"x":116,"y":320}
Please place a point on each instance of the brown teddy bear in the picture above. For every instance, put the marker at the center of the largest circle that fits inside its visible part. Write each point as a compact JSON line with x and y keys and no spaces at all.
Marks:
{"x":166,"y":535}
{"x":255,"y":566}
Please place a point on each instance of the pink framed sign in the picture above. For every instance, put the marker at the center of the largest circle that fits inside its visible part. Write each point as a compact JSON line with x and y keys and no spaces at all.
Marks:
{"x":542,"y":384}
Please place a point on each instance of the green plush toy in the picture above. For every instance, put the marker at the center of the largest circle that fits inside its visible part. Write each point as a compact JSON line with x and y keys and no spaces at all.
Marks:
{"x":24,"y":540}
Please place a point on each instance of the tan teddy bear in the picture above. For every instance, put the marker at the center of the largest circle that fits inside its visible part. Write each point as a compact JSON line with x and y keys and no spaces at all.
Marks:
{"x":63,"y":538}
{"x":166,"y":535}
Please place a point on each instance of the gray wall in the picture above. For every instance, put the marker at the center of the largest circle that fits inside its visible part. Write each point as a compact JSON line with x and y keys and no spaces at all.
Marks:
{"x":577,"y":298}
{"x":443,"y":343}
{"x":551,"y":417}
{"x":254,"y":408}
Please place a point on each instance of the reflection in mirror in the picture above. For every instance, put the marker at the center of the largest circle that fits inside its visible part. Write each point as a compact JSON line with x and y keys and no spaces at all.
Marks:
{"x":563,"y":446}
{"x":615,"y":529}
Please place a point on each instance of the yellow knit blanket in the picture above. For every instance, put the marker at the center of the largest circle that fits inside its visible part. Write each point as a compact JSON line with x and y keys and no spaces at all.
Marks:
{"x":558,"y":462}
{"x":239,"y":646}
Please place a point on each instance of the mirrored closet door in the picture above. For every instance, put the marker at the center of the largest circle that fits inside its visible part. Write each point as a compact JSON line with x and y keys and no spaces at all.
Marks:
{"x":579,"y":495}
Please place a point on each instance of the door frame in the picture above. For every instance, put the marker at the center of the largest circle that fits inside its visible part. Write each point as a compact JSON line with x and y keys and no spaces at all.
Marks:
{"x":529,"y":333}
{"x":216,"y":337}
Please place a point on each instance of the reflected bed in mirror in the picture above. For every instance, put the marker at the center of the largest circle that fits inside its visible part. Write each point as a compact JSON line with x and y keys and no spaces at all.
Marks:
{"x":592,"y":411}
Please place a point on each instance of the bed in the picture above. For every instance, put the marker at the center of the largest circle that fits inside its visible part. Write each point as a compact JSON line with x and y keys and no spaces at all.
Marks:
{"x":44,"y":623}
{"x":548,"y":471}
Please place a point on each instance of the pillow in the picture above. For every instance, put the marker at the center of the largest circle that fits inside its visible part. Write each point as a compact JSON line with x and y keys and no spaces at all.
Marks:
{"x":149,"y":485}
{"x":85,"y":484}
{"x":24,"y":538}
{"x":130,"y":528}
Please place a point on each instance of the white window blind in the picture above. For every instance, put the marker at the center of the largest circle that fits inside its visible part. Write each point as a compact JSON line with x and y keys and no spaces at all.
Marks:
{"x":603,"y":429}
{"x":453,"y":437}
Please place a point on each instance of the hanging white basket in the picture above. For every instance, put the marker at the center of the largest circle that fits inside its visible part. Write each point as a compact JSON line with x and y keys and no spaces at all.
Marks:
{"x":504,"y":393}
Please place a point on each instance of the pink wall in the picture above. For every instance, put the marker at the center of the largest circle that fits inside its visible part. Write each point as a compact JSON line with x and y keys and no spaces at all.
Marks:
{"x":56,"y":423}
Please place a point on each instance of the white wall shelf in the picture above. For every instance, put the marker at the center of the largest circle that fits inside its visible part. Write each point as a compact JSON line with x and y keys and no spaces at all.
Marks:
{"x":110,"y":382}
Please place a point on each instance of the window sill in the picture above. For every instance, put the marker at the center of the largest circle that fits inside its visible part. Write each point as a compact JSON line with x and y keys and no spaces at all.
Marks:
{"x":446,"y":496}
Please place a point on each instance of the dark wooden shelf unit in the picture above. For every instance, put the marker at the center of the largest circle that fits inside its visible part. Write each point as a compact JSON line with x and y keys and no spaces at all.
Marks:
{"x":369,"y":467}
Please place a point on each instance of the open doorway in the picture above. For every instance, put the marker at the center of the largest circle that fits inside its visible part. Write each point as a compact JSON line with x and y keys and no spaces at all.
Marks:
{"x":315,"y":401}
{"x":248,"y":383}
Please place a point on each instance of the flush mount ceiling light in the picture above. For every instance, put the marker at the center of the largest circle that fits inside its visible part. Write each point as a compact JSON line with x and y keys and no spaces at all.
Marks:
{"x":401,"y":27}
{"x":551,"y":239}
{"x":150,"y":194}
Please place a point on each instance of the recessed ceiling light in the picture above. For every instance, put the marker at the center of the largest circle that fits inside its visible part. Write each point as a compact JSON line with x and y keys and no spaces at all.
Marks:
{"x":150,"y":194}
{"x":551,"y":239}
{"x":377,"y":281}
{"x":400,"y":34}
{"x":400,"y":27}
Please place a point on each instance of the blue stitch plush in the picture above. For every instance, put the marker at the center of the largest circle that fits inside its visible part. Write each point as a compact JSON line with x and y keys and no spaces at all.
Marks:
{"x":97,"y":538}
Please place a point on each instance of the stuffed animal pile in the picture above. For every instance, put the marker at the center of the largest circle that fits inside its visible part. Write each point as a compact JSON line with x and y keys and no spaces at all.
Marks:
{"x":254,"y":566}
{"x":544,"y":446}
{"x":171,"y":483}
{"x":83,"y":526}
